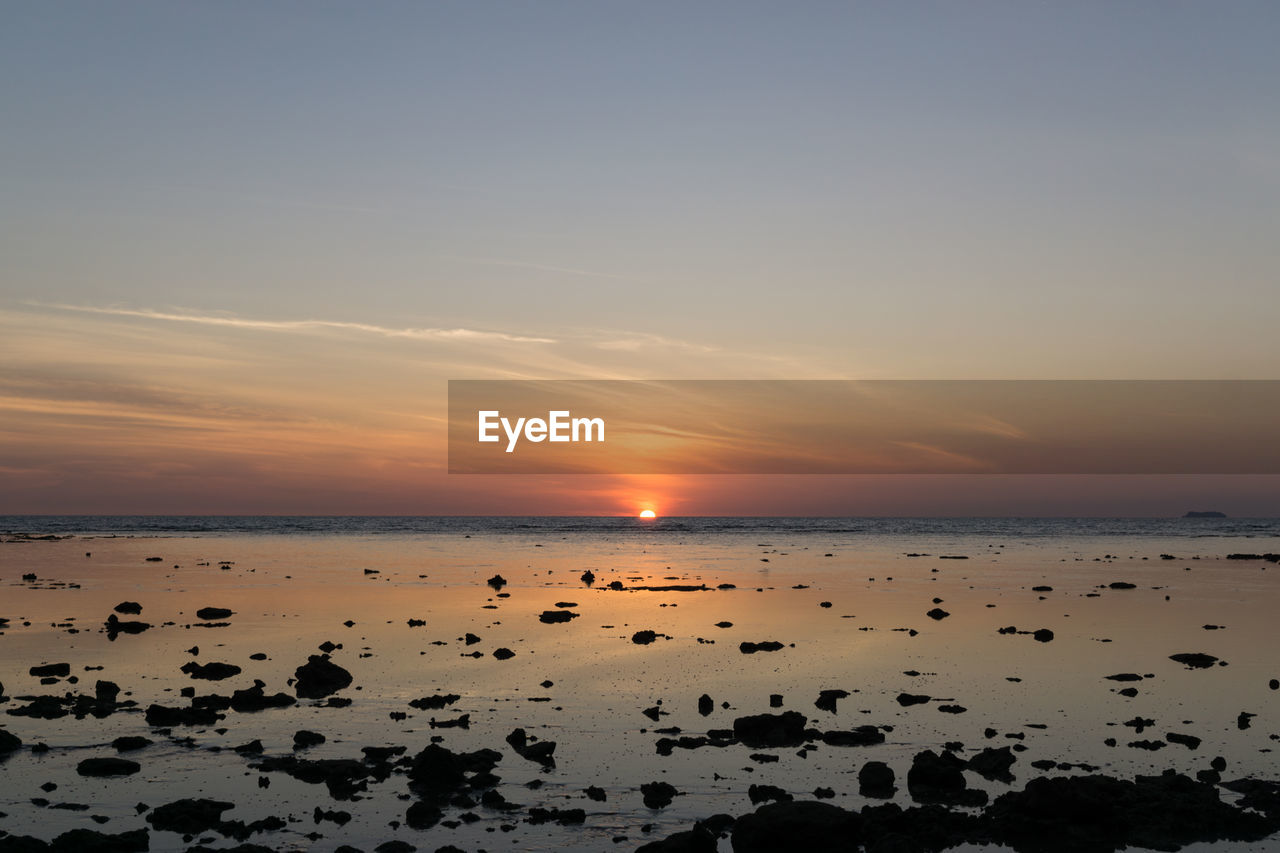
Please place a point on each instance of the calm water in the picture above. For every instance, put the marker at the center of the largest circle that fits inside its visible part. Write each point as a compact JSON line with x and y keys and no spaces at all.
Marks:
{"x":295,"y":583}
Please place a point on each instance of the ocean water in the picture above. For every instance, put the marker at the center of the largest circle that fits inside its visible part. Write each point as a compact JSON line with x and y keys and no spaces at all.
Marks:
{"x":847,"y":599}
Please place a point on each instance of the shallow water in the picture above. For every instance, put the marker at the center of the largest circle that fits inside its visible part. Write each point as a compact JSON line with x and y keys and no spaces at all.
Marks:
{"x":293,"y":584}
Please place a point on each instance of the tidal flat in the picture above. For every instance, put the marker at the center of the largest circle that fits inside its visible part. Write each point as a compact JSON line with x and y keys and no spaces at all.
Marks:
{"x":537,"y":688}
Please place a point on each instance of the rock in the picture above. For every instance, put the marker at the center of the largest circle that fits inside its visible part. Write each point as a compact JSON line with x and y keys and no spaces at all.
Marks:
{"x":1122,"y":585}
{"x":536,"y":751}
{"x":876,"y":779}
{"x":344,"y":778}
{"x":826,"y":700}
{"x":764,"y":793}
{"x":552,"y":616}
{"x":644,"y":638}
{"x":700,"y":839}
{"x":1189,"y":741}
{"x":1102,"y":813}
{"x":937,"y":614}
{"x":596,"y":794}
{"x":1194,"y":660}
{"x":92,"y":841}
{"x":163,"y":717}
{"x":131,"y":743}
{"x":588,"y":577}
{"x":188,"y":816}
{"x":766,"y":646}
{"x":805,"y":825}
{"x":908,"y":699}
{"x":9,"y":742}
{"x":705,"y":705}
{"x":256,"y":699}
{"x":114,"y":627}
{"x":107,"y":767}
{"x":861,"y":736}
{"x":51,"y":670}
{"x":128,"y":608}
{"x":212,"y":671}
{"x":935,"y":778}
{"x":503,"y":653}
{"x":422,"y":815}
{"x":1124,"y":676}
{"x":993,"y":764}
{"x":434,"y":703}
{"x":213,"y":614}
{"x":1043,"y":635}
{"x":106,"y":691}
{"x":771,"y":730}
{"x":658,"y":795}
{"x":497,"y":581}
{"x":304,"y":739}
{"x":320,"y":677}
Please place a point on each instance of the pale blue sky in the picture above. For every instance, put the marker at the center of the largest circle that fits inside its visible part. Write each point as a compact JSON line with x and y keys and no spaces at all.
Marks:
{"x":1084,"y":185}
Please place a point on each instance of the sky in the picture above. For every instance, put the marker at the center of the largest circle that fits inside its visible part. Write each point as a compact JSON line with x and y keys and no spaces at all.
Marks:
{"x":243,"y":246}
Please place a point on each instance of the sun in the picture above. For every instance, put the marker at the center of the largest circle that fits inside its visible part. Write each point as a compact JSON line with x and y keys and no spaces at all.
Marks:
{"x":648,"y":513}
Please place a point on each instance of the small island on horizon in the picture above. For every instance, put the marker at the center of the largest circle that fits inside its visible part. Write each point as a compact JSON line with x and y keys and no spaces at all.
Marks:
{"x":1213,"y":513}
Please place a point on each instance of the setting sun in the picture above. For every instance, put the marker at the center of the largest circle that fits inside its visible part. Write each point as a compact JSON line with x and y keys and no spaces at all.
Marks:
{"x":648,"y":513}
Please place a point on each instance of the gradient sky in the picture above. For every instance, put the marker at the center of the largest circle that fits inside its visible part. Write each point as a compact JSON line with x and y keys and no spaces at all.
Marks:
{"x":243,"y":245}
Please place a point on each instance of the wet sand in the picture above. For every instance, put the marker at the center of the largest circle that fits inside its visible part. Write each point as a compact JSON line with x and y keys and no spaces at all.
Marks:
{"x":885,"y":649}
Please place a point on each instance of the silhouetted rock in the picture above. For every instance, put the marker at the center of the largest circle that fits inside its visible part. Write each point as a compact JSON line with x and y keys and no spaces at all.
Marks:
{"x":644,"y":638}
{"x":938,"y":614}
{"x":9,"y":742}
{"x":164,"y":717}
{"x":826,"y":700}
{"x":188,"y":816}
{"x":769,"y":730}
{"x":129,"y":608}
{"x":1194,"y":660}
{"x":765,"y":793}
{"x":658,"y":795}
{"x":993,"y":763}
{"x":766,"y":646}
{"x":107,"y":767}
{"x":212,"y":671}
{"x":320,"y":677}
{"x":860,"y":736}
{"x":705,"y":705}
{"x":876,"y":779}
{"x":304,"y":739}
{"x":805,"y":825}
{"x":51,"y":670}
{"x":497,"y":581}
{"x":552,"y":616}
{"x":131,"y":743}
{"x":503,"y":653}
{"x":213,"y":614}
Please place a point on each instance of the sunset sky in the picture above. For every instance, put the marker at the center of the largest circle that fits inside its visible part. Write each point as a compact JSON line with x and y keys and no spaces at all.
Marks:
{"x":245,"y":245}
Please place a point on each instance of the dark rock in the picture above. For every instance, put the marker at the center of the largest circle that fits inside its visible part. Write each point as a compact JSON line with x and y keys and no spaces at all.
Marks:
{"x":700,"y":839}
{"x":163,"y":717}
{"x":705,"y":705}
{"x":304,"y":739}
{"x":993,"y":763}
{"x":1194,"y":660}
{"x":91,"y":841}
{"x":876,"y":779}
{"x":212,"y":671}
{"x":319,"y":677}
{"x":658,"y":795}
{"x":503,"y":653}
{"x":764,"y":793}
{"x":114,"y":627}
{"x":596,"y":794}
{"x":935,"y":778}
{"x":106,"y":691}
{"x":1042,"y":635}
{"x":826,"y":700}
{"x":188,"y":816}
{"x":766,"y":646}
{"x":51,"y":670}
{"x":908,"y":699}
{"x":497,"y":581}
{"x":213,"y":614}
{"x":1189,"y":741}
{"x":434,"y":703}
{"x":805,"y":825}
{"x":9,"y":742}
{"x":129,"y":608}
{"x":644,"y":638}
{"x":771,"y":730}
{"x":1124,"y":676}
{"x":107,"y":767}
{"x":1122,"y":585}
{"x":131,"y":743}
{"x":861,"y":736}
{"x":552,"y":616}
{"x":343,"y":777}
{"x":422,"y":815}
{"x":588,"y":577}
{"x":937,"y":614}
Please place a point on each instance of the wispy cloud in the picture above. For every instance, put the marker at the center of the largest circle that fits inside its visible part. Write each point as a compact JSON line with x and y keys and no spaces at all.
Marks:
{"x":429,"y":334}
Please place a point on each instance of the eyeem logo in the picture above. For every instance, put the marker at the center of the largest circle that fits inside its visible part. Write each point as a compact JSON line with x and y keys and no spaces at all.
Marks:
{"x":559,"y":426}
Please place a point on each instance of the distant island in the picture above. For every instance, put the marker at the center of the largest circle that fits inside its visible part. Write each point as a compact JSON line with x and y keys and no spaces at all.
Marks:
{"x":1206,"y":514}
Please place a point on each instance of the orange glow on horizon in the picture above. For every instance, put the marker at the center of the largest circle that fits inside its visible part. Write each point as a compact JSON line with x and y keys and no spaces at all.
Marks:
{"x":648,"y":513}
